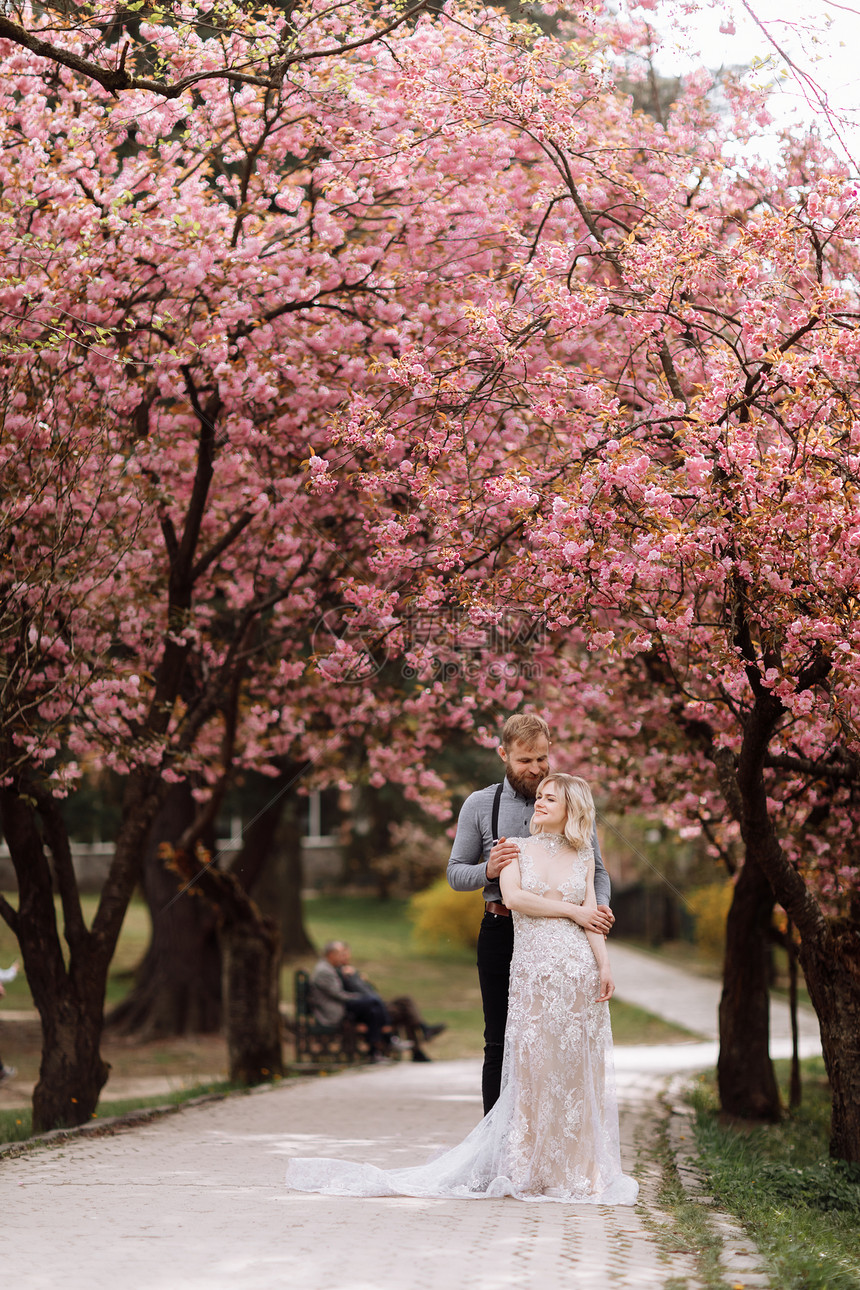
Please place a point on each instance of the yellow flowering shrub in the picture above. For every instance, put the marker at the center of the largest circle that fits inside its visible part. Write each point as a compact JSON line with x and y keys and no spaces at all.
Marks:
{"x":709,"y":907}
{"x":441,"y":916}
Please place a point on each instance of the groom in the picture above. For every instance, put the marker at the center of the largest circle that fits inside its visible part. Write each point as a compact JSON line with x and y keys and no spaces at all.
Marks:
{"x":480,"y":853}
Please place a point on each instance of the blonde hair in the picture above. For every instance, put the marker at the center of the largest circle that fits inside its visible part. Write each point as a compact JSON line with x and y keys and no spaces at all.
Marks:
{"x":579,"y":804}
{"x":523,"y":728}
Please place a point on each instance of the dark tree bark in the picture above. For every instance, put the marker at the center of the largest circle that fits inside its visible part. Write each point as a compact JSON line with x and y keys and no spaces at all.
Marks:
{"x":746,"y":1079}
{"x":269,"y":866}
{"x":745,"y":1074}
{"x":829,"y":955}
{"x":829,"y":951}
{"x":251,"y":952}
{"x":795,"y":1091}
{"x":831,"y":966}
{"x":250,"y":948}
{"x":72,"y":1073}
{"x":177,"y":988}
{"x":69,"y":997}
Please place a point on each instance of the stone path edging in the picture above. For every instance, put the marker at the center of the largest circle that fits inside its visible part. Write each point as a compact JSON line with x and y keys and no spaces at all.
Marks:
{"x":741,"y":1262}
{"x":112,"y":1124}
{"x":102,"y":1128}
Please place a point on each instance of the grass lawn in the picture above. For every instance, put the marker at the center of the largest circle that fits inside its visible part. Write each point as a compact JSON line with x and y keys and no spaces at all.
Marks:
{"x":800,"y":1207}
{"x":133,"y":940}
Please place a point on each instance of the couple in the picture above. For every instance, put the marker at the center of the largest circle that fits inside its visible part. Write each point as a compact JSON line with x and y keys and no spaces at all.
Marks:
{"x":550,"y":1131}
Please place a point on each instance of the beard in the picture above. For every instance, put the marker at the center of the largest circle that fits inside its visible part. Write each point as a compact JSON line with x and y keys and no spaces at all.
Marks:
{"x":526,"y":784}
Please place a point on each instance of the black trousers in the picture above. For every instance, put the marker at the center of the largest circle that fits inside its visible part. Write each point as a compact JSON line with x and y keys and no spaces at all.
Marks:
{"x":495,"y":950}
{"x":374,"y":1014}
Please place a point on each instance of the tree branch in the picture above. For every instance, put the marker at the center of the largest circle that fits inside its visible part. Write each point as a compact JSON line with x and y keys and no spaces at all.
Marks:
{"x":9,"y":914}
{"x":206,"y":417}
{"x":834,"y":773}
{"x":115,"y":79}
{"x":221,"y":545}
{"x":757,"y":826}
{"x":56,"y":835}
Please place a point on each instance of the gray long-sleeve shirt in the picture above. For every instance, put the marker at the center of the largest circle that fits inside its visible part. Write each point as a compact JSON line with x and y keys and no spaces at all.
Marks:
{"x":467,"y":867}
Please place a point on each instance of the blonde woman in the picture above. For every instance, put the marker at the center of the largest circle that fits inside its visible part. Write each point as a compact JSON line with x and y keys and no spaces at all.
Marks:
{"x":553,"y":1133}
{"x":563,"y":1137}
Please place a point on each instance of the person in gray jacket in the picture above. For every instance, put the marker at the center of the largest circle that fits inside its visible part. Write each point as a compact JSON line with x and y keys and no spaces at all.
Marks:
{"x":331,"y":1001}
{"x":479,"y":854}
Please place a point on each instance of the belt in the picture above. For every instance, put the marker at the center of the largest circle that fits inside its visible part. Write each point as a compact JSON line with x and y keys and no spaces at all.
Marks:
{"x":493,"y":907}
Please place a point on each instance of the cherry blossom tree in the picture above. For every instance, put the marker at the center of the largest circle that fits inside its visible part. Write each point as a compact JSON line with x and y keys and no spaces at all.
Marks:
{"x":672,"y":357}
{"x":423,"y":335}
{"x":189,"y":294}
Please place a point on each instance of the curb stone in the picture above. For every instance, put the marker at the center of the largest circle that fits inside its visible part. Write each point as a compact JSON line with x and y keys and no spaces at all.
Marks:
{"x":741,"y":1263}
{"x":103,"y":1128}
{"x":109,"y":1125}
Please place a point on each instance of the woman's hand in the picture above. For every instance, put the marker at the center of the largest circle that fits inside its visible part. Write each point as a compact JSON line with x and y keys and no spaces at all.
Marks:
{"x":607,"y":985}
{"x":592,"y":920}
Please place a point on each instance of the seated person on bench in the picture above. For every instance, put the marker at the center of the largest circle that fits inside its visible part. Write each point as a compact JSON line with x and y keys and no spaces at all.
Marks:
{"x":337,"y":990}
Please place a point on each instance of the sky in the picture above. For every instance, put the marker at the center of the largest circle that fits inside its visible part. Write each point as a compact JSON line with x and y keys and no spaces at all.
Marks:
{"x":821,"y":37}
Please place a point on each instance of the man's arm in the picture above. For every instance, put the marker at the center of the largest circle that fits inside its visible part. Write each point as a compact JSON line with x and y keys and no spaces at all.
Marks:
{"x":325,"y":981}
{"x":467,"y":868}
{"x":602,"y":885}
{"x":356,"y":985}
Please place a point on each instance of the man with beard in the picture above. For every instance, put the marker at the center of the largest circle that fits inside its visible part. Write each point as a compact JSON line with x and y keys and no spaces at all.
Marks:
{"x":480,"y":853}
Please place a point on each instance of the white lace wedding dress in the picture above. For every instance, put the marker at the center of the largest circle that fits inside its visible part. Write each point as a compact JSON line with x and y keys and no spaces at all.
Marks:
{"x":553,"y":1134}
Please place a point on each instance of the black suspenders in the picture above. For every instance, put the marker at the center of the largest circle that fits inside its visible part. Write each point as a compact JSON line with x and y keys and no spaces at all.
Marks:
{"x":494,"y":822}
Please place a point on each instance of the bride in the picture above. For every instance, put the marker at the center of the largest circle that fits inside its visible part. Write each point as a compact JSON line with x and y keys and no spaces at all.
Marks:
{"x":553,"y":1134}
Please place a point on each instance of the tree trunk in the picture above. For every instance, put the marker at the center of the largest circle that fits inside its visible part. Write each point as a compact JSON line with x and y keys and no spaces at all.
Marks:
{"x":832,"y":973}
{"x":269,"y":866}
{"x":250,"y":948}
{"x":177,"y":987}
{"x":746,"y":1079}
{"x":252,"y":959}
{"x":829,"y":955}
{"x":69,"y":1002}
{"x":829,"y":948}
{"x":69,"y":999}
{"x":72,"y":1073}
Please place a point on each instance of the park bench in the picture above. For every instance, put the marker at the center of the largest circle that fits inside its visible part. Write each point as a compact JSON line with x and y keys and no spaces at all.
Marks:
{"x":319,"y":1045}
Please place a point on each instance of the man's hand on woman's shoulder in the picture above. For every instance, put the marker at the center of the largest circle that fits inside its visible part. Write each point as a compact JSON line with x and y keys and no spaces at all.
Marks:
{"x":500,"y":857}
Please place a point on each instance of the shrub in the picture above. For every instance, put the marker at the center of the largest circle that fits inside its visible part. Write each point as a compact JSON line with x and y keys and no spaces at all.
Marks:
{"x":710,"y":907}
{"x":441,"y":916}
{"x":826,"y":1185}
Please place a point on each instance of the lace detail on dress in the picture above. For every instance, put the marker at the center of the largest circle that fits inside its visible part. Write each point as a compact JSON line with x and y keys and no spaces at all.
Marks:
{"x":553,"y":851}
{"x":553,"y":1134}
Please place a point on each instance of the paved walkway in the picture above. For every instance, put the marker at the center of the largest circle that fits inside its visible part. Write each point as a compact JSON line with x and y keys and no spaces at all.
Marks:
{"x":693,"y":1001}
{"x":195,"y":1201}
